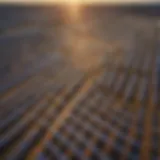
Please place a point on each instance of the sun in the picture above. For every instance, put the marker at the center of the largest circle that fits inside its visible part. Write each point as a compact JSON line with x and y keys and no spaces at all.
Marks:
{"x":73,"y":2}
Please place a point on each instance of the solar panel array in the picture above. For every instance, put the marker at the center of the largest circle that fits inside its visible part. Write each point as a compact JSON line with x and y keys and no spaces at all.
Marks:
{"x":111,"y":115}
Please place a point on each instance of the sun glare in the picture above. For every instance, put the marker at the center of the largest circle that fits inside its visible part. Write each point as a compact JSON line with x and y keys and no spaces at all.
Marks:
{"x":73,"y":9}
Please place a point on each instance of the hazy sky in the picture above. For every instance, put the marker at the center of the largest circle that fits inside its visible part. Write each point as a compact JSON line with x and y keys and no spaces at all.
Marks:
{"x":82,"y":1}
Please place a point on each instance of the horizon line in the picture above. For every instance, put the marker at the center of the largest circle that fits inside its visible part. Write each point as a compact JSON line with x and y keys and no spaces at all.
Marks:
{"x":48,"y":2}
